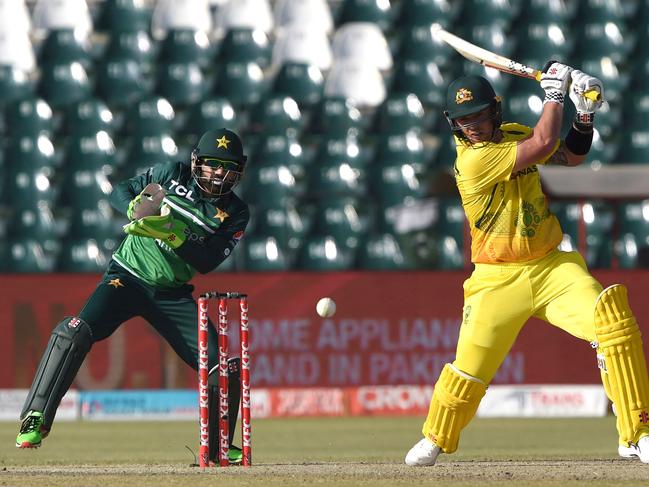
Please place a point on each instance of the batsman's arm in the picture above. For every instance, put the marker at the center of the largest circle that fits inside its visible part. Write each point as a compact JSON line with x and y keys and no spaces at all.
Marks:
{"x":207,"y":256}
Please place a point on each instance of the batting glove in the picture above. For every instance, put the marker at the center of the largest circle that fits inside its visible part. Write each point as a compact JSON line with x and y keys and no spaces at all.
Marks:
{"x":555,"y":80}
{"x":586,"y":107}
{"x":163,"y":227}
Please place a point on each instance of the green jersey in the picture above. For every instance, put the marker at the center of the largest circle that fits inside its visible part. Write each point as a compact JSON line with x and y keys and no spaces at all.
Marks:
{"x":214,"y":227}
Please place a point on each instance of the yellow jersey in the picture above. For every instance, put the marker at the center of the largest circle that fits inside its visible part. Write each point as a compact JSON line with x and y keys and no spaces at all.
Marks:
{"x":508,"y":213}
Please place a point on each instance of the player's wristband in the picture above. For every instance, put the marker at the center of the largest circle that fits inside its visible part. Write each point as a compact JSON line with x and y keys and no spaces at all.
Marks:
{"x":584,"y":121}
{"x":579,"y":141}
{"x":554,"y":96}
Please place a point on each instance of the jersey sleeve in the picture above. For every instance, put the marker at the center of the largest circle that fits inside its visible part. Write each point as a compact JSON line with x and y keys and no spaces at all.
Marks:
{"x":207,"y":256}
{"x":479,"y":169}
{"x":128,"y":189}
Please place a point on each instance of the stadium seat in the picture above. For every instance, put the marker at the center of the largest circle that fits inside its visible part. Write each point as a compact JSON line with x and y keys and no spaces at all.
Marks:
{"x":180,"y":14}
{"x":65,"y":46}
{"x":336,"y":178}
{"x":499,"y":81}
{"x":182,"y":84}
{"x":120,"y":83}
{"x":283,"y":223}
{"x":490,"y":36}
{"x":81,"y":255}
{"x":394,"y":182}
{"x":633,"y":147}
{"x":423,"y":79}
{"x":312,"y":15}
{"x":337,"y":149}
{"x":27,"y":187}
{"x":245,"y":45}
{"x":15,"y":15}
{"x":268,"y":183}
{"x":244,"y":14}
{"x":375,"y":11}
{"x":94,"y":152}
{"x":603,"y":39}
{"x":538,"y":42}
{"x":613,"y":75}
{"x":96,"y":222}
{"x":546,"y":12}
{"x":339,"y":218}
{"x":62,"y":14}
{"x":89,"y":117}
{"x":445,"y":152}
{"x":452,"y":221}
{"x":596,"y":11}
{"x":633,"y":227}
{"x":302,"y":44}
{"x":24,"y":256}
{"x":421,"y":44}
{"x":116,"y":16}
{"x":400,"y":113}
{"x":475,"y":13}
{"x":302,"y":82}
{"x":30,"y":151}
{"x":207,"y":114}
{"x":62,"y":85}
{"x":362,"y":43}
{"x":151,"y":116}
{"x":264,"y":254}
{"x":186,"y":46}
{"x":449,"y":253}
{"x":149,"y":150}
{"x":337,"y":117}
{"x":382,"y":252}
{"x":323,"y":254}
{"x":285,"y":151}
{"x":277,"y":115}
{"x":363,"y":85}
{"x":14,"y":85}
{"x":16,"y":50}
{"x":423,"y":13}
{"x":523,"y":103}
{"x":241,"y":83}
{"x":35,"y":223}
{"x":29,"y":117}
{"x":131,"y":46}
{"x":84,"y":189}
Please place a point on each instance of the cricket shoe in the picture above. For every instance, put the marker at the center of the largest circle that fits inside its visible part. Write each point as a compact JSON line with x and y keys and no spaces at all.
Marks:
{"x":235,"y":456}
{"x":638,"y":450}
{"x":31,"y":431}
{"x":423,"y":454}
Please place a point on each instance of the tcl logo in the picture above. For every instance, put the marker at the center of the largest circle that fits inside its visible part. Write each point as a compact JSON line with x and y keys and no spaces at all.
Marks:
{"x":181,"y":190}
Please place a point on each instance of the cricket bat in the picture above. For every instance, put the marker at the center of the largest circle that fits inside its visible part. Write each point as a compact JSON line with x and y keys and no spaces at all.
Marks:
{"x":492,"y":60}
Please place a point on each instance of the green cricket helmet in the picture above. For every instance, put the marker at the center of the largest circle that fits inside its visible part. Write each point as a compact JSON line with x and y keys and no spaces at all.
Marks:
{"x":220,"y":148}
{"x":468,"y":95}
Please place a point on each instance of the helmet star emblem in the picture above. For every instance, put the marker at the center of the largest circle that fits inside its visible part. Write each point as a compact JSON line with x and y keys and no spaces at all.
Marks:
{"x":222,"y":142}
{"x":221,"y":215}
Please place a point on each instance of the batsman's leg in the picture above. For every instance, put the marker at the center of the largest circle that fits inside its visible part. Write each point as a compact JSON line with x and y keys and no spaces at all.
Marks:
{"x":234,"y":398}
{"x":454,"y":403}
{"x":68,"y":345}
{"x":624,"y":368}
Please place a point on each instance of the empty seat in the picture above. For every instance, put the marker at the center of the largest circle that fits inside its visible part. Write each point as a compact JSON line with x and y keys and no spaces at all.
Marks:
{"x":449,"y":251}
{"x":121,"y":82}
{"x":395,"y":182}
{"x":241,"y":83}
{"x":400,"y":113}
{"x":542,"y":41}
{"x":149,"y":150}
{"x":85,"y":188}
{"x":210,"y":113}
{"x":633,"y":225}
{"x":382,"y":252}
{"x":124,"y":16}
{"x":16,"y":50}
{"x":337,"y":117}
{"x":181,"y":83}
{"x":62,"y":14}
{"x":186,"y":46}
{"x":490,"y":36}
{"x":94,"y":152}
{"x":244,"y":14}
{"x":546,"y":12}
{"x":131,"y":46}
{"x":488,"y":12}
{"x":31,"y":151}
{"x":29,"y":117}
{"x":65,"y":84}
{"x":421,"y":44}
{"x":302,"y":44}
{"x":378,"y":12}
{"x":88,"y":117}
{"x":24,"y":256}
{"x":313,"y":15}
{"x":612,"y":74}
{"x":302,"y":82}
{"x":336,"y":178}
{"x":81,"y":255}
{"x":452,"y":221}
{"x":423,"y":79}
{"x":65,"y":46}
{"x":14,"y":84}
{"x":423,"y":13}
{"x":363,"y":84}
{"x":277,"y":115}
{"x":339,"y":218}
{"x":320,"y":253}
{"x":35,"y":223}
{"x":151,"y":116}
{"x":264,"y":254}
{"x":180,"y":14}
{"x":285,"y":151}
{"x":27,"y":187}
{"x":245,"y":45}
{"x":283,"y":223}
{"x":268,"y":183}
{"x":15,"y":15}
{"x":603,"y":39}
{"x":634,"y":146}
{"x":362,"y":43}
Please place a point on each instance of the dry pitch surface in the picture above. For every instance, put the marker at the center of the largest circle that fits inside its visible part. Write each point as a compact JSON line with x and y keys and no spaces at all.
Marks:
{"x":341,"y":451}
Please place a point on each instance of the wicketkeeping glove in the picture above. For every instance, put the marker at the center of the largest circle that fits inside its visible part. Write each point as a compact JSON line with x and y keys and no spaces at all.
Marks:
{"x":555,"y":80}
{"x":147,"y":203}
{"x":163,"y":227}
{"x":586,"y":107}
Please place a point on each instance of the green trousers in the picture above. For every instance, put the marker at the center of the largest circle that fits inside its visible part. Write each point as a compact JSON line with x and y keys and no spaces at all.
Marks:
{"x":172,"y":312}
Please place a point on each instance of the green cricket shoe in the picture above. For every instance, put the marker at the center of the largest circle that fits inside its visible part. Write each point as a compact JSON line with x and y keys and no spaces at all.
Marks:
{"x":31,"y":431}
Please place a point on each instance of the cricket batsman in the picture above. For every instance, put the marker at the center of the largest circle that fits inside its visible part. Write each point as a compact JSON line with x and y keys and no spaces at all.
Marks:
{"x":184,"y":218}
{"x":519,"y":272}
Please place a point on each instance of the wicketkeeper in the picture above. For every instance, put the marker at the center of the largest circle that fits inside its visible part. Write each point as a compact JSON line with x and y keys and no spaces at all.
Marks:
{"x":519,"y":272}
{"x":184,"y":218}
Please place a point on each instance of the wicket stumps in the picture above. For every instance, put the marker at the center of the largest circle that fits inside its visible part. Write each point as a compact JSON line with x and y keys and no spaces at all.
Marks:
{"x":203,"y":365}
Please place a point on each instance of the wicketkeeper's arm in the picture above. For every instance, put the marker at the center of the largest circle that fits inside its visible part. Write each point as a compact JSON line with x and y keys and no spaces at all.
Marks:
{"x":128,"y":189}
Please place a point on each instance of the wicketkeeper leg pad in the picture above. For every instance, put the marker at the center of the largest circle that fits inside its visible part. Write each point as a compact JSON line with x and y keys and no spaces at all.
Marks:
{"x":620,"y":345}
{"x":454,"y":403}
{"x":67,"y":348}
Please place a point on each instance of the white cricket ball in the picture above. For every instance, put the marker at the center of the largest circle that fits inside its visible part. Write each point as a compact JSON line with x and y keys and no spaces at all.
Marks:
{"x":326,"y":307}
